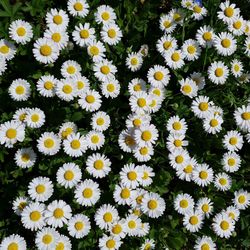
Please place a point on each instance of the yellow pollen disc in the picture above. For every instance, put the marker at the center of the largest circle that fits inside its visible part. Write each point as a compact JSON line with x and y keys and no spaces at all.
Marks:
{"x":129,"y":140}
{"x":78,"y":6}
{"x":22,"y":117}
{"x":35,"y":118}
{"x":167,"y":24}
{"x":67,"y":89}
{"x":105,"y":16}
{"x":197,"y":9}
{"x":57,"y":19}
{"x":98,"y":164}
{"x":134,"y":61}
{"x":35,"y":215}
{"x":125,"y":193}
{"x":22,"y":205}
{"x":100,"y":121}
{"x":167,"y":45}
{"x":232,"y":215}
{"x":71,"y":70}
{"x":139,"y":199}
{"x":79,"y":225}
{"x":224,"y":225}
{"x":186,"y":89}
{"x":111,"y":33}
{"x":94,"y":51}
{"x":45,"y":50}
{"x":137,"y":212}
{"x":137,"y":87}
{"x":143,"y":150}
{"x":25,"y":157}
{"x":56,"y":37}
{"x":205,"y":208}
{"x":231,"y":162}
{"x":131,"y":224}
{"x":237,"y":25}
{"x":132,"y":175}
{"x":193,"y":220}
{"x":40,"y":189}
{"x":58,"y":213}
{"x":226,"y":43}
{"x":110,"y":243}
{"x":87,"y":193}
{"x":21,"y":31}
{"x":48,"y":85}
{"x":177,"y":17}
{"x":178,"y":143}
{"x":236,"y":68}
{"x":20,"y":90}
{"x":148,"y":247}
{"x":49,"y":143}
{"x":219,"y":72}
{"x":245,"y":116}
{"x":183,"y":203}
{"x":107,"y":217}
{"x":158,"y":75}
{"x":223,"y":181}
{"x":175,"y":57}
{"x":145,"y":175}
{"x":179,"y":159}
{"x":105,"y":69}
{"x":141,"y":102}
{"x":213,"y":123}
{"x":67,"y":132}
{"x":116,"y":229}
{"x":242,"y":199}
{"x":95,"y":139}
{"x":228,"y":12}
{"x":146,"y":135}
{"x":13,"y":246}
{"x":110,"y":87}
{"x":191,"y":49}
{"x":152,"y":204}
{"x":177,"y":126}
{"x":60,"y":246}
{"x":188,"y":169}
{"x":75,"y":144}
{"x":203,"y":175}
{"x":69,"y":175}
{"x":84,"y":34}
{"x":11,"y":133}
{"x":47,"y":239}
{"x":137,"y":122}
{"x":207,"y":36}
{"x":203,"y":106}
{"x":233,"y":140}
{"x":205,"y":246}
{"x":90,"y":99}
{"x":80,"y":85}
{"x":4,"y":49}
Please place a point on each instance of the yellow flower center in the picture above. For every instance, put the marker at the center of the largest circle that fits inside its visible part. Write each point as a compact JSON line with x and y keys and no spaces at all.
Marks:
{"x":177,"y":17}
{"x":146,"y":135}
{"x":60,"y":246}
{"x":87,"y":193}
{"x":139,"y":199}
{"x":4,"y":49}
{"x":232,"y":215}
{"x":177,"y":126}
{"x":178,"y":143}
{"x":11,"y":133}
{"x":108,"y":217}
{"x":188,"y":169}
{"x":79,"y":225}
{"x":67,"y":132}
{"x":13,"y":246}
{"x":116,"y":229}
{"x":152,"y":204}
{"x":219,"y":72}
{"x":191,"y":49}
{"x":105,"y":16}
{"x":100,"y":121}
{"x":49,"y":143}
{"x":224,"y":225}
{"x":111,"y":33}
{"x":67,"y":89}
{"x":25,"y":157}
{"x":94,"y":51}
{"x":98,"y":164}
{"x":167,"y":24}
{"x":237,"y":25}
{"x":47,"y":239}
{"x":197,"y":9}
{"x":132,"y":175}
{"x":110,"y":243}
{"x":186,"y":89}
{"x":223,"y":181}
{"x":56,"y":37}
{"x":147,"y":247}
{"x":45,"y":50}
{"x":175,"y":57}
{"x":40,"y":188}
{"x":105,"y":69}
{"x":158,"y":75}
{"x":84,"y":34}
{"x":231,"y":162}
{"x":71,"y":70}
{"x":20,"y":90}
{"x":226,"y":43}
{"x":193,"y":220}
{"x":203,"y":106}
{"x":125,"y":193}
{"x":22,"y":205}
{"x":78,"y":6}
{"x":129,"y":140}
{"x":58,"y":213}
{"x":203,"y":175}
{"x":136,"y":122}
{"x":242,"y":199}
{"x":22,"y":117}
{"x":141,"y":102}
{"x":21,"y":31}
{"x":245,"y":116}
{"x":183,"y":203}
{"x":48,"y":85}
{"x":35,"y":118}
{"x":229,"y":11}
{"x":179,"y":159}
{"x":207,"y":36}
{"x":134,"y":61}
{"x":90,"y":99}
{"x":57,"y":19}
{"x":80,"y":85}
{"x":205,"y":246}
{"x":167,"y":45}
{"x":95,"y":139}
{"x":143,"y":150}
{"x":35,"y":215}
{"x":145,"y":175}
{"x":233,"y":140}
{"x":131,"y":224}
{"x":214,"y":123}
{"x":69,"y":175}
{"x":111,"y":87}
{"x":75,"y":144}
{"x":236,"y":68}
{"x":205,"y":208}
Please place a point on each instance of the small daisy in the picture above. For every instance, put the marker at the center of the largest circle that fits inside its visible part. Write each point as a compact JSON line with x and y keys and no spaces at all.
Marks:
{"x":105,"y":14}
{"x":90,"y":100}
{"x":70,"y":68}
{"x":201,"y":106}
{"x":204,"y":243}
{"x":78,"y":8}
{"x":35,"y":118}
{"x":57,"y":18}
{"x":242,"y":117}
{"x":233,"y":141}
{"x":236,"y":68}
{"x":134,"y":61}
{"x":58,"y":36}
{"x":109,"y":242}
{"x":135,"y":120}
{"x":144,"y":50}
{"x":139,"y":102}
{"x":132,"y":225}
{"x":100,"y":121}
{"x":136,"y":201}
{"x":126,"y":140}
{"x":166,"y":43}
{"x":193,"y":221}
{"x":188,"y":87}
{"x":66,"y":129}
{"x":225,"y":44}
{"x":146,"y":135}
{"x":83,"y":34}
{"x":96,"y":50}
{"x":231,"y":162}
{"x":174,"y":59}
{"x":66,"y":89}
{"x":183,"y":203}
{"x":95,"y":140}
{"x":178,"y":158}
{"x":158,"y":76}
{"x":237,"y":26}
{"x":110,"y":87}
{"x":149,"y":244}
{"x":46,"y":85}
{"x":87,"y":193}
{"x":25,"y":157}
{"x":205,"y":206}
{"x":98,"y":165}
{"x":218,"y":72}
{"x":167,"y":24}
{"x":148,"y":174}
{"x":176,"y":125}
{"x":241,"y":199}
{"x":185,"y":171}
{"x":228,"y":12}
{"x":20,"y":31}
{"x":143,"y":154}
{"x":20,"y":115}
{"x":191,"y":50}
{"x":82,"y":84}
{"x":233,"y":213}
{"x":68,"y":175}
{"x":118,"y":229}
{"x":46,"y":238}
{"x":205,"y":36}
{"x":199,"y":12}
{"x":63,"y":242}
{"x":19,"y":90}
{"x":222,"y":181}
{"x":7,"y":50}
{"x":13,"y":242}
{"x":212,"y":123}
{"x":79,"y":226}
{"x":19,"y":204}
{"x":104,"y":70}
{"x":111,"y":33}
{"x":122,"y":195}
{"x":203,"y":174}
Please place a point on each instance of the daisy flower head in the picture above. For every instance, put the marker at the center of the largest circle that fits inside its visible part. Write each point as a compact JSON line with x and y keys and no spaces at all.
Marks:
{"x":11,"y":132}
{"x":174,"y":59}
{"x":109,"y":242}
{"x":233,"y":141}
{"x":78,"y":8}
{"x":100,"y":121}
{"x":203,"y":175}
{"x":135,"y":120}
{"x":105,"y":216}
{"x":218,"y":73}
{"x":178,"y":158}
{"x":193,"y":220}
{"x":32,"y":216}
{"x":66,"y":89}
{"x":158,"y":76}
{"x":166,"y":43}
{"x":228,"y":12}
{"x":13,"y":241}
{"x":110,"y":87}
{"x":176,"y":125}
{"x":96,"y":50}
{"x":212,"y":123}
{"x":57,"y":213}
{"x":19,"y":204}
{"x":20,"y":115}
{"x":183,"y":203}
{"x":203,"y":243}
{"x":46,"y":238}
{"x":236,"y":68}
{"x":153,"y":205}
{"x":3,"y":65}
{"x":223,"y":225}
{"x":201,"y":106}
{"x":7,"y":50}
{"x":205,"y":206}
{"x":237,"y":26}
{"x":242,"y":117}
{"x":35,"y":118}
{"x":57,"y":18}
{"x":136,"y":201}
{"x":148,"y":244}
{"x":111,"y":33}
{"x":233,"y":213}
{"x":136,"y":85}
{"x":98,"y":165}
{"x":167,"y":23}
{"x":95,"y":140}
{"x":205,"y":36}
{"x":155,"y":103}
{"x":126,"y":140}
{"x":87,"y":193}
{"x":225,"y":44}
{"x":75,"y":145}
{"x":68,"y":175}
{"x":19,"y":90}
{"x":188,"y":87}
{"x":241,"y":199}
{"x":147,"y":177}
{"x":90,"y":100}
{"x":82,"y":84}
{"x":45,"y":50}
{"x":178,"y":15}
{"x":46,"y":85}
{"x":139,"y":102}
{"x":63,"y":242}
{"x":231,"y":162}
{"x":191,"y":50}
{"x":134,"y":61}
{"x":104,"y":70}
{"x":70,"y":69}
{"x":79,"y":226}
{"x":185,"y":171}
{"x":222,"y":181}
{"x":132,"y":225}
{"x":25,"y":157}
{"x":199,"y":79}
{"x":105,"y":14}
{"x":118,"y":229}
{"x":83,"y":34}
{"x":122,"y":195}
{"x":199,"y":12}
{"x":146,"y":135}
{"x":144,"y":153}
{"x":176,"y":141}
{"x":20,"y":31}
{"x":66,"y":129}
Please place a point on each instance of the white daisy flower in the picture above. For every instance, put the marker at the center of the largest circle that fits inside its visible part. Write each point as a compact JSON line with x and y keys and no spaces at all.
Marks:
{"x":58,"y":36}
{"x":95,"y":140}
{"x":183,"y":203}
{"x":139,"y":102}
{"x":122,"y":195}
{"x":134,"y":61}
{"x":135,"y":120}
{"x":176,"y":125}
{"x":79,"y":226}
{"x":66,"y":89}
{"x":70,"y":68}
{"x":32,"y":216}
{"x":241,"y":199}
{"x":136,"y":201}
{"x":13,"y":242}
{"x":188,"y":87}
{"x":96,"y":50}
{"x":78,"y":7}
{"x":201,"y":106}
{"x":166,"y":43}
{"x":185,"y":171}
{"x":167,"y":23}
{"x":205,"y":206}
{"x":199,"y":12}
{"x":105,"y":14}
{"x":83,"y":34}
{"x":11,"y":132}
{"x":57,"y":18}
{"x":20,"y":31}
{"x":19,"y":204}
{"x":222,"y":181}
{"x":66,"y":129}
{"x":203,"y":243}
{"x":63,"y":242}
{"x":237,"y":68}
{"x":178,"y":158}
{"x":191,"y":50}
{"x":228,"y":12}
{"x":7,"y":50}
{"x":25,"y":157}
{"x":45,"y":50}
{"x":35,"y":118}
{"x":57,"y":213}
{"x":132,"y":225}
{"x":199,"y":79}
{"x":148,"y":174}
{"x":111,"y":33}
{"x":205,"y":36}
{"x":100,"y":121}
{"x":98,"y":165}
{"x":110,"y":87}
{"x":143,"y":154}
{"x":126,"y":140}
{"x":233,"y":213}
{"x":118,"y":229}
{"x":105,"y":216}
{"x":233,"y":141}
{"x":158,"y":76}
{"x":193,"y":220}
{"x":46,"y":238}
{"x":242,"y":117}
{"x":49,"y":143}
{"x":146,"y":135}
{"x":68,"y":175}
{"x":148,"y":244}
{"x":237,"y":26}
{"x":82,"y":84}
{"x":203,"y":175}
{"x":3,"y":65}
{"x":212,"y":123}
{"x":46,"y":85}
{"x":231,"y":162}
{"x":104,"y":70}
{"x":87,"y":193}
{"x":90,"y":100}
{"x":218,"y":72}
{"x":19,"y":90}
{"x":109,"y":242}
{"x":174,"y":59}
{"x":225,"y":44}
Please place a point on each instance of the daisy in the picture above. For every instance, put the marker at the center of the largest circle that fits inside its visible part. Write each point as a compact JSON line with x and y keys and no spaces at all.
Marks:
{"x":46,"y":238}
{"x":193,"y":221}
{"x":218,"y":72}
{"x":90,"y":100}
{"x":111,"y":33}
{"x":148,"y":245}
{"x":191,"y":50}
{"x":35,"y":118}
{"x":136,"y":201}
{"x":11,"y":132}
{"x":132,"y":225}
{"x":57,"y":18}
{"x":231,"y":162}
{"x":174,"y":59}
{"x":236,"y":68}
{"x":188,"y":87}
{"x":3,"y":65}
{"x":45,"y":50}
{"x":232,"y":212}
{"x":106,"y":215}
{"x":66,"y":129}
{"x":177,"y":15}
{"x":95,"y":140}
{"x":100,"y":121}
{"x":20,"y":115}
{"x":32,"y":216}
{"x":19,"y":90}
{"x":78,"y":8}
{"x":139,"y":102}
{"x":185,"y":171}
{"x":49,"y":143}
{"x":198,"y":12}
{"x":122,"y":195}
{"x":135,"y":120}
{"x":148,"y":174}
{"x":136,"y":85}
{"x":25,"y":157}
{"x":183,"y":203}
{"x":109,"y":242}
{"x":98,"y":165}
{"x":58,"y":36}
{"x":205,"y":206}
{"x":203,"y":243}
{"x":144,"y":153}
{"x":126,"y":140}
{"x":13,"y":242}
{"x":222,"y":181}
{"x":96,"y":50}
{"x":223,"y":225}
{"x":83,"y":34}
{"x":57,"y":213}
{"x":225,"y":44}
{"x":105,"y":14}
{"x":79,"y":226}
{"x":228,"y":12}
{"x":203,"y":175}
{"x":118,"y":229}
{"x":242,"y":117}
{"x":205,"y":36}
{"x":146,"y":135}
{"x":212,"y":123}
{"x":7,"y":50}
{"x":158,"y":76}
{"x":70,"y":68}
{"x":153,"y":205}
{"x":155,"y":103}
{"x":167,"y":23}
{"x":166,"y":43}
{"x":63,"y":242}
{"x":178,"y":158}
{"x":176,"y":125}
{"x":82,"y":84}
{"x":68,"y":175}
{"x":233,"y":141}
{"x":241,"y":199}
{"x":75,"y":145}
{"x":198,"y":79}
{"x":110,"y":87}
{"x":46,"y":85}
{"x":20,"y":31}
{"x":201,"y":106}
{"x":104,"y":70}
{"x":40,"y":189}
{"x":66,"y":89}
{"x":19,"y":204}
{"x":87,"y":193}
{"x":134,"y":61}
{"x":237,"y":26}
